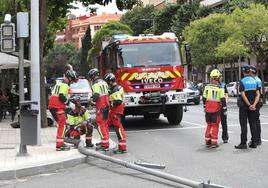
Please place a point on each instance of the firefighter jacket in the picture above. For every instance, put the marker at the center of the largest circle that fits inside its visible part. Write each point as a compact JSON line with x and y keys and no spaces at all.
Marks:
{"x":75,"y":118}
{"x":58,"y":98}
{"x":213,"y":98}
{"x":116,"y":97}
{"x":100,"y":94}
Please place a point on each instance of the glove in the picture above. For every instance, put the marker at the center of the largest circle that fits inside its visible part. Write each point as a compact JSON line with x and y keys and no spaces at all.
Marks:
{"x":72,"y":105}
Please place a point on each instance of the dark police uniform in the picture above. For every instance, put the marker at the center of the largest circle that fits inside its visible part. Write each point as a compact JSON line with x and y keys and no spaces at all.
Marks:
{"x":248,"y":85}
{"x":258,"y":122}
{"x":224,"y":117}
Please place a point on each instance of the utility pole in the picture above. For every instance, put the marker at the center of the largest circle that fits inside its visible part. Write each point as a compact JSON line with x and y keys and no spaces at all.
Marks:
{"x":35,"y":63}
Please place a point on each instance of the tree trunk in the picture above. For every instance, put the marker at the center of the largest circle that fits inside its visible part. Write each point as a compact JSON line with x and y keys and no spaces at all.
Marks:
{"x":42,"y":26}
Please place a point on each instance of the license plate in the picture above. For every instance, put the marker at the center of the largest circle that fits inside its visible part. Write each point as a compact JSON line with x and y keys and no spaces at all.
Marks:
{"x":152,"y":86}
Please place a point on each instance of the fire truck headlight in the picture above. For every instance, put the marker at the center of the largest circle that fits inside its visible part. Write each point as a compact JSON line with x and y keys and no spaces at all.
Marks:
{"x":179,"y":96}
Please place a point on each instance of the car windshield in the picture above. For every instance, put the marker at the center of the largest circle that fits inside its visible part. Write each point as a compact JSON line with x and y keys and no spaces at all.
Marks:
{"x":81,"y":84}
{"x":148,"y":54}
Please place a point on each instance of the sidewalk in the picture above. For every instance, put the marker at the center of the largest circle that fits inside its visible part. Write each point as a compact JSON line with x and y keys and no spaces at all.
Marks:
{"x":40,"y":159}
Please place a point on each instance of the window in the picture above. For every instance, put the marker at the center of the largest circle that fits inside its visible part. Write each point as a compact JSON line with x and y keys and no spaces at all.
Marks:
{"x":97,"y":27}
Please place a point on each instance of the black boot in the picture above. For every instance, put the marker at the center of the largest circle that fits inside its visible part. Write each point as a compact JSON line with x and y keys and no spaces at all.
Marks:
{"x":241,"y":146}
{"x":89,"y":144}
{"x":63,"y":148}
{"x":252,"y":144}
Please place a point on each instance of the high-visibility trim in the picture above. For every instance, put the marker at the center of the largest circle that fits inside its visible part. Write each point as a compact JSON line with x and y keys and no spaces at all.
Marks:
{"x":121,"y":135}
{"x":207,"y":138}
{"x":104,"y":141}
{"x":170,"y":74}
{"x":99,"y":130}
{"x":178,"y":73}
{"x":132,"y":76}
{"x":214,"y":140}
{"x":141,"y":76}
{"x":124,"y":76}
{"x":59,"y":140}
{"x":122,"y":143}
{"x":88,"y":138}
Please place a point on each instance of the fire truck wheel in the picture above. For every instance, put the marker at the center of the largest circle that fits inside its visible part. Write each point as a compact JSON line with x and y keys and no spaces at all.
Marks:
{"x":174,"y":114}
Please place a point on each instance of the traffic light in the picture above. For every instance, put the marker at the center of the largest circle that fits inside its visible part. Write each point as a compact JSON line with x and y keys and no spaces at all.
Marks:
{"x":7,"y":37}
{"x":188,"y":54}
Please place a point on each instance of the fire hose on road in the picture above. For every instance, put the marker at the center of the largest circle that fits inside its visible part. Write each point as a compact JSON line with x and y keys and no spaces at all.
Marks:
{"x":153,"y":172}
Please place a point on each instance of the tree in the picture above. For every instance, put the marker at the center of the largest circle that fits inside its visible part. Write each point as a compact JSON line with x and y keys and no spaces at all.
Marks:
{"x":204,"y":36}
{"x":139,"y":19}
{"x":105,"y":33}
{"x":249,"y":28}
{"x":58,"y":57}
{"x":86,"y":46}
{"x":187,"y":12}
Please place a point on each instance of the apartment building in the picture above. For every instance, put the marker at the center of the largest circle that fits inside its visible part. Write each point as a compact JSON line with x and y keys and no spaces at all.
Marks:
{"x":77,"y":26}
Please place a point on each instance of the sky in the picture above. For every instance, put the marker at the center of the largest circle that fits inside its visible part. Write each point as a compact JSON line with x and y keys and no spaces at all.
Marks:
{"x":110,"y":8}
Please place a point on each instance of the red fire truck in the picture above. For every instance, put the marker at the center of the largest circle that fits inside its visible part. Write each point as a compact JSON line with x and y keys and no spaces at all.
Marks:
{"x":149,"y":68}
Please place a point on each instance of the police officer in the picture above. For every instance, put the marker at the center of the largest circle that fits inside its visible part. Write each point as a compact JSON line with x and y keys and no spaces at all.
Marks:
{"x":57,"y":103}
{"x":214,"y":102}
{"x":248,"y":99}
{"x":224,"y":126}
{"x":253,"y":72}
{"x":101,"y":100}
{"x":116,"y":97}
{"x":79,"y":122}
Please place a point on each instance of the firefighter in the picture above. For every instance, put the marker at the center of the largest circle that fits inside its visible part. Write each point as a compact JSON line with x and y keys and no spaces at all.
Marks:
{"x":247,"y":101}
{"x":214,"y":101}
{"x":101,"y":100}
{"x":57,"y":104}
{"x":253,"y":72}
{"x":224,"y":126}
{"x":79,"y":122}
{"x":116,"y":97}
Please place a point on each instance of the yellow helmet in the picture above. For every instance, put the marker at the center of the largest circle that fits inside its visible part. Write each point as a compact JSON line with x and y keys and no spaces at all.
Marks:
{"x":215,"y":73}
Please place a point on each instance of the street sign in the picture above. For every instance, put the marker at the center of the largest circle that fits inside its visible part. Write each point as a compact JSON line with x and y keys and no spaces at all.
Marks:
{"x":8,"y":37}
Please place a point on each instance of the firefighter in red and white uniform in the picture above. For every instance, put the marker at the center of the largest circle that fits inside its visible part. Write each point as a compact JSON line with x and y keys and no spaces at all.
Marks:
{"x":101,"y":100}
{"x":79,"y":122}
{"x":116,"y":97}
{"x":57,"y":104}
{"x":214,"y":101}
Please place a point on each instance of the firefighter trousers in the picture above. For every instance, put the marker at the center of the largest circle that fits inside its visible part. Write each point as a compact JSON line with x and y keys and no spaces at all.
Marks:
{"x":213,"y":121}
{"x":102,"y":125}
{"x":59,"y":116}
{"x":115,"y":121}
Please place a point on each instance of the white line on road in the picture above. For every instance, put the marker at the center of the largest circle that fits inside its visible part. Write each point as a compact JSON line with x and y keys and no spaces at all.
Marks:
{"x":264,"y":140}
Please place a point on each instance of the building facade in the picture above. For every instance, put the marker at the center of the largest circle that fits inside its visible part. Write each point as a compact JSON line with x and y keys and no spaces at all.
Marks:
{"x":77,"y":26}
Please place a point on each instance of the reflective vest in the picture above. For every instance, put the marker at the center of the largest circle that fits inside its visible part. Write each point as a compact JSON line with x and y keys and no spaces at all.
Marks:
{"x":76,"y":118}
{"x":101,"y":88}
{"x":54,"y":101}
{"x":117,"y":95}
{"x":213,"y":95}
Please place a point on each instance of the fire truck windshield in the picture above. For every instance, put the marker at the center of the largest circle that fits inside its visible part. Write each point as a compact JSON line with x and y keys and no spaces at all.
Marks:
{"x":149,"y":54}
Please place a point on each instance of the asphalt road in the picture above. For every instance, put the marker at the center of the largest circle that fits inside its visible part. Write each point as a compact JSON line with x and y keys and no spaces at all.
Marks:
{"x":181,"y":148}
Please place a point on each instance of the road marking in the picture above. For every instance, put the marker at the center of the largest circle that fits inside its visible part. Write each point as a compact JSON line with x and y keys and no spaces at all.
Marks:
{"x":193,"y":123}
{"x":264,"y":140}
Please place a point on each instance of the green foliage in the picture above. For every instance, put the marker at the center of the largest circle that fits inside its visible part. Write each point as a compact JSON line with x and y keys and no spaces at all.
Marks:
{"x":58,"y":57}
{"x":105,"y":33}
{"x":139,"y":19}
{"x":186,"y":13}
{"x":249,"y":28}
{"x":86,"y":46}
{"x":204,"y":36}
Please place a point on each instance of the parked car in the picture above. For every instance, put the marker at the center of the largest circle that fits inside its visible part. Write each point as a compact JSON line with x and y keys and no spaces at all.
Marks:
{"x":81,"y":89}
{"x":232,"y":89}
{"x":193,"y":94}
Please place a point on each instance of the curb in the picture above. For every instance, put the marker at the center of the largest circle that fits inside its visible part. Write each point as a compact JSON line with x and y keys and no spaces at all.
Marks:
{"x":41,"y":169}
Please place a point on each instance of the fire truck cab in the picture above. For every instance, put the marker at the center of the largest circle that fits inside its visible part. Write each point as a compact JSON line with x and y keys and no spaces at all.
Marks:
{"x":149,"y":68}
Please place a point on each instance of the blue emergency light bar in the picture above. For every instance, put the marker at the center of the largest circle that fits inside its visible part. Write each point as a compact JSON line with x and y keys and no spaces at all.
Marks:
{"x":119,"y":36}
